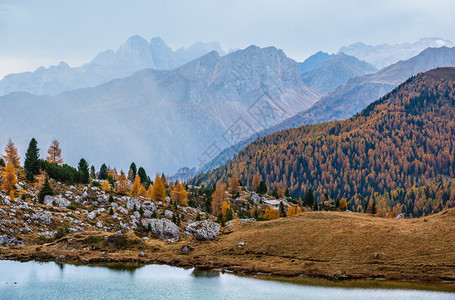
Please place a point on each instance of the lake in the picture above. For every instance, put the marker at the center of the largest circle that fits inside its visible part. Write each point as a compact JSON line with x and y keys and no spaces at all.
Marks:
{"x":50,"y":280}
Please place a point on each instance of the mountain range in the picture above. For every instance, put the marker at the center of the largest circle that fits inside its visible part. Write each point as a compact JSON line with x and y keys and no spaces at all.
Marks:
{"x":134,"y":55}
{"x":387,"y":157}
{"x":384,"y":55}
{"x":350,"y":98}
{"x":164,"y":119}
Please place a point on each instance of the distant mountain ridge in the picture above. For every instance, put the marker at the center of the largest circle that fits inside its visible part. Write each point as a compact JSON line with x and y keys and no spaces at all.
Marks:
{"x":350,"y":98}
{"x":162,"y":119}
{"x":384,"y":55}
{"x":314,"y":61}
{"x":134,"y":55}
{"x":334,"y":72}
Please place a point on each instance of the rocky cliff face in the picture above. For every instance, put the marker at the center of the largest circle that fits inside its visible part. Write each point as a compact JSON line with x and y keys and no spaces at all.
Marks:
{"x":136,"y":54}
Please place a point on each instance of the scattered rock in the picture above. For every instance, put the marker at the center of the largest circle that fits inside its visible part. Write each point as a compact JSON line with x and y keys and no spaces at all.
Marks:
{"x":43,"y":218}
{"x":5,"y":240}
{"x":241,"y":244}
{"x":99,"y":224}
{"x":186,"y":248}
{"x":131,"y":202}
{"x":122,"y":210}
{"x":142,"y":254}
{"x":168,"y":213}
{"x":163,"y":228}
{"x":204,"y":230}
{"x":247,"y":220}
{"x":400,"y":216}
{"x":228,"y":224}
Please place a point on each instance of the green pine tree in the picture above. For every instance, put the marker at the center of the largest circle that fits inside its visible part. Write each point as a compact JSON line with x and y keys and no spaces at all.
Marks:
{"x":282,"y":210}
{"x":84,"y":171}
{"x":32,"y":162}
{"x":45,"y":190}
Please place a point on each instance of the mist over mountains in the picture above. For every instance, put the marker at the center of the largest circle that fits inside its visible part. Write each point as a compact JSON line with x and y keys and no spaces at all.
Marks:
{"x":384,"y":55}
{"x":163,"y":119}
{"x":134,"y":55}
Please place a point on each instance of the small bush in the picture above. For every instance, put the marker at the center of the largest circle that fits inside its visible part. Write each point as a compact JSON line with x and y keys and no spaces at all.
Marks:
{"x":96,"y":183}
{"x":61,"y":232}
{"x":72,"y":206}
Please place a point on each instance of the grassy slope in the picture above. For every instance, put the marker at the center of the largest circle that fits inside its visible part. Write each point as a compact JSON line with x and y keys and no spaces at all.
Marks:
{"x":323,"y":244}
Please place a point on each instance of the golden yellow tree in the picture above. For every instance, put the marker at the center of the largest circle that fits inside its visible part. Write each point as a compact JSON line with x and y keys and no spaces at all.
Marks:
{"x":122,"y":184}
{"x":9,"y":178}
{"x":111,"y":174}
{"x":142,"y":191}
{"x":234,"y":186}
{"x":271,"y":213}
{"x":256,"y":180}
{"x":136,"y":185}
{"x":54,"y":153}
{"x":106,"y":186}
{"x":149,"y":192}
{"x":343,"y":204}
{"x":218,"y":197}
{"x":11,"y":156}
{"x":158,"y":192}
{"x":179,"y":194}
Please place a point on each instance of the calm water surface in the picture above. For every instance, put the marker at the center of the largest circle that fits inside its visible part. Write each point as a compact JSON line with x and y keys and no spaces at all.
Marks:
{"x":37,"y":280}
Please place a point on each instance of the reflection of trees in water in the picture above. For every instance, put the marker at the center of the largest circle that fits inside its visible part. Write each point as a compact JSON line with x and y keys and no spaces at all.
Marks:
{"x":205,"y":273}
{"x":117,"y":267}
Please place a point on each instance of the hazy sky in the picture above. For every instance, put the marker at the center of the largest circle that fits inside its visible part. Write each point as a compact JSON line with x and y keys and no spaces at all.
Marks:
{"x":45,"y":32}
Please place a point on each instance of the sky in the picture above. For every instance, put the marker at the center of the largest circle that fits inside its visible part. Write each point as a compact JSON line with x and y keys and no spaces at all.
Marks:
{"x":45,"y":32}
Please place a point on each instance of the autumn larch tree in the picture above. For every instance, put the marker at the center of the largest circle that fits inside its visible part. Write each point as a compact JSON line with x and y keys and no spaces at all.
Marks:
{"x":234,"y":185}
{"x":9,"y":178}
{"x":256,"y":180}
{"x":54,"y":153}
{"x":136,"y":186}
{"x":179,"y":194}
{"x":218,"y":197}
{"x":106,"y":186}
{"x":122,"y":184}
{"x":32,"y":163}
{"x":158,"y":191}
{"x":11,"y":156}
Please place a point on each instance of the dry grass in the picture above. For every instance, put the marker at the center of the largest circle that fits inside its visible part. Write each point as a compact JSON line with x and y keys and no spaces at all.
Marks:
{"x":323,"y":244}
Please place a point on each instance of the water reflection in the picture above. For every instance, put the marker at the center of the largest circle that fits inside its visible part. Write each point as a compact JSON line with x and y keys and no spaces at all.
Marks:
{"x":205,"y":273}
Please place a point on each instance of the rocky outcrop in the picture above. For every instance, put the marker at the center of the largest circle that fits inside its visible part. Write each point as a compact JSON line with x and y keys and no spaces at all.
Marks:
{"x":204,"y":230}
{"x":43,"y":218}
{"x":6,"y":240}
{"x":57,"y":201}
{"x":162,"y":228}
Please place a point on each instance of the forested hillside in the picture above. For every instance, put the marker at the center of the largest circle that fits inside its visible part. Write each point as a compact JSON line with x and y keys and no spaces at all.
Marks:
{"x":396,"y":156}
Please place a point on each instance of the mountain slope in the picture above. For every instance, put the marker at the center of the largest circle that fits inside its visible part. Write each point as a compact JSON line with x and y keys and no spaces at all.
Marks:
{"x":357,"y":93}
{"x":134,"y":55}
{"x":162,"y":119}
{"x":404,"y":139}
{"x":334,"y":72}
{"x":350,"y":98}
{"x":384,"y":55}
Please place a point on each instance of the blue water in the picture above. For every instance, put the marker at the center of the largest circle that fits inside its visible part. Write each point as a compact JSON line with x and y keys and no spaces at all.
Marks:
{"x":35,"y":280}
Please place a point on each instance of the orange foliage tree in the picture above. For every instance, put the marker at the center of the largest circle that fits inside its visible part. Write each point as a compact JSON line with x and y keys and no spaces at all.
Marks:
{"x":54,"y":153}
{"x":9,"y":178}
{"x":11,"y":156}
{"x":158,"y":191}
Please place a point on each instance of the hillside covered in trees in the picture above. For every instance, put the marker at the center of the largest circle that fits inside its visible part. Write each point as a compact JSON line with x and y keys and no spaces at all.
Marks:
{"x":396,"y":156}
